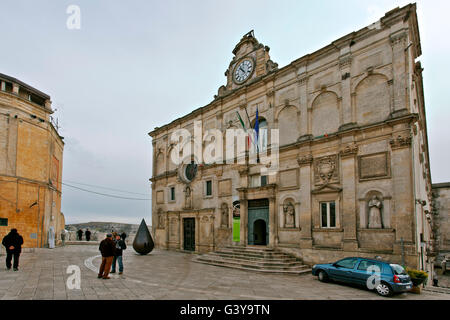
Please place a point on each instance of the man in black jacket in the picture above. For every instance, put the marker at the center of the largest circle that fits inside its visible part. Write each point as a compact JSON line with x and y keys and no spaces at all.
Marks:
{"x":120,"y":245}
{"x":13,"y":243}
{"x":107,"y":248}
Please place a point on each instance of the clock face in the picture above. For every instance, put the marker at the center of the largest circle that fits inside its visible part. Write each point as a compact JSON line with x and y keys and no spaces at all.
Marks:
{"x":243,"y":71}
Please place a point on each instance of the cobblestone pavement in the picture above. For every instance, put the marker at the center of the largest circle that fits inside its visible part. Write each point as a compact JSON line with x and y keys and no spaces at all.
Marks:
{"x":163,"y":275}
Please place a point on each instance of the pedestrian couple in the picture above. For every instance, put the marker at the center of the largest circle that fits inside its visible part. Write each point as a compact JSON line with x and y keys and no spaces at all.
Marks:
{"x":13,"y":243}
{"x":111,"y":249}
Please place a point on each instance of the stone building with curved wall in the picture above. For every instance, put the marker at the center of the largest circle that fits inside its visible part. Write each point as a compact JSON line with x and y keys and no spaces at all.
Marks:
{"x":353,"y":177}
{"x":31,"y":155}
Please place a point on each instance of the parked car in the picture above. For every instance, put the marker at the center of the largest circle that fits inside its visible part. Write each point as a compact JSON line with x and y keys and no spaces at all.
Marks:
{"x":386,"y":278}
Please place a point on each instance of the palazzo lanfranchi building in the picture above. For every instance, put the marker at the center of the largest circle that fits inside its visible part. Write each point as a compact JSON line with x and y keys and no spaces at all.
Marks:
{"x":353,"y":175}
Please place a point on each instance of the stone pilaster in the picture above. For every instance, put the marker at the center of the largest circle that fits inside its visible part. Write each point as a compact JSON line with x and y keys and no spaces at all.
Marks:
{"x":303,"y":101}
{"x":345,"y":63}
{"x":272,"y":222}
{"x":399,"y":66}
{"x":348,"y":163}
{"x":305,"y":214}
{"x":197,"y":232}
{"x":402,"y":218}
{"x":244,"y":222}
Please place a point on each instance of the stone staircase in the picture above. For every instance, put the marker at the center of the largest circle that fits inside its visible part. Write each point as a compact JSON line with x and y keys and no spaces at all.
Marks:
{"x":252,"y":258}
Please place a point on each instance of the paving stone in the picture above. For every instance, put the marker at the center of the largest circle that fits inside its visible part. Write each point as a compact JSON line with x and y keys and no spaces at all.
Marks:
{"x":166,"y":275}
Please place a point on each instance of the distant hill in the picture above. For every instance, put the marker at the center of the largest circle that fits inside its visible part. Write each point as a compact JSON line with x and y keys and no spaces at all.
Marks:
{"x":105,"y":227}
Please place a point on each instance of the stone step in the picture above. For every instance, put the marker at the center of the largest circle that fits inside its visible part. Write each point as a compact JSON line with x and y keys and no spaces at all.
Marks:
{"x":291,"y":271}
{"x":279,"y":255}
{"x":251,"y":257}
{"x":258,"y":259}
{"x":252,"y":263}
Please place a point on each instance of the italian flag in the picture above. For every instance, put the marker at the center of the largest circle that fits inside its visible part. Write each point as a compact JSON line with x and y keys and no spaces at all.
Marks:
{"x":245,"y":129}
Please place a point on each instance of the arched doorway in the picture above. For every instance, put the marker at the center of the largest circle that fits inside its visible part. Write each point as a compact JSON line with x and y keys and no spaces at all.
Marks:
{"x":259,"y":232}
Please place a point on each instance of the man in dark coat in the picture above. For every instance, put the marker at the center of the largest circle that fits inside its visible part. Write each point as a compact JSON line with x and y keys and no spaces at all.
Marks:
{"x":13,"y":243}
{"x":107,"y":248}
{"x":87,"y":233}
{"x":120,"y":246}
{"x":80,"y":234}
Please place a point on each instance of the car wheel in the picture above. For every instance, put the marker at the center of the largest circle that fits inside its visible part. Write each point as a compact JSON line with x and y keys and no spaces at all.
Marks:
{"x":323,"y":277}
{"x":384,"y":290}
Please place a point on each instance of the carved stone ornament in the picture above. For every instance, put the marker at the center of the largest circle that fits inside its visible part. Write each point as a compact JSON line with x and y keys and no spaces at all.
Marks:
{"x":345,"y":62}
{"x":243,"y":171}
{"x":304,"y":160}
{"x":160,"y":219}
{"x":400,"y":142}
{"x":349,"y":150}
{"x":302,"y":79}
{"x":398,"y":38}
{"x":326,"y":170}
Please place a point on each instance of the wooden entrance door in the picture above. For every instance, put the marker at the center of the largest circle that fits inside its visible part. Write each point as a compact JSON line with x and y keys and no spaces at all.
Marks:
{"x":189,"y":234}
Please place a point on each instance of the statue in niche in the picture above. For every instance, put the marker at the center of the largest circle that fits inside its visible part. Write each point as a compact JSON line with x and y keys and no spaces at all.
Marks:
{"x":289,"y":215}
{"x":224,"y":212}
{"x":375,"y":213}
{"x":187,"y":198}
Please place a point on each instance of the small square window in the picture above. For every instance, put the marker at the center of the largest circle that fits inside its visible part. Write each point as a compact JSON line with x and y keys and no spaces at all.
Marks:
{"x":4,"y":222}
{"x":209,"y":188}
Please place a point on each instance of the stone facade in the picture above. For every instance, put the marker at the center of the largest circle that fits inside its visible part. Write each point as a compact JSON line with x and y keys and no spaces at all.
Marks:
{"x":31,"y":155}
{"x":353,"y":177}
{"x":440,"y":214}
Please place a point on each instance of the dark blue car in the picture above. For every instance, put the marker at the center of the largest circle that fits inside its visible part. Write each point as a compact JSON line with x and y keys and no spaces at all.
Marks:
{"x":384,"y":277}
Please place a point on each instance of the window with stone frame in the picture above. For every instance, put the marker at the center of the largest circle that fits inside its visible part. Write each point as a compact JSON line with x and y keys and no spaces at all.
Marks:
{"x":172,"y":194}
{"x":208,"y":188}
{"x":328,"y":214}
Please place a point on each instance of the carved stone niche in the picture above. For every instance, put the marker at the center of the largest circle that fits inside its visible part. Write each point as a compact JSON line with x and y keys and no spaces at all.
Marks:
{"x":375,"y":211}
{"x":326,"y":170}
{"x":289,"y":213}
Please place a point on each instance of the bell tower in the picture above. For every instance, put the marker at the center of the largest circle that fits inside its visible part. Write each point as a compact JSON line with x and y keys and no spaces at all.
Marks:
{"x":251,"y":61}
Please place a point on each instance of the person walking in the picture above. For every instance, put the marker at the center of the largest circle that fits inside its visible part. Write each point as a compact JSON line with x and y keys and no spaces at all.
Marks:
{"x":80,"y":234}
{"x":63,"y":237}
{"x":107,"y":248}
{"x":120,"y":246}
{"x":13,"y":243}
{"x":87,"y":233}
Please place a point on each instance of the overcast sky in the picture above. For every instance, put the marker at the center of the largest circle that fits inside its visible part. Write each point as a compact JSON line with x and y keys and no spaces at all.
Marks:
{"x":135,"y":65}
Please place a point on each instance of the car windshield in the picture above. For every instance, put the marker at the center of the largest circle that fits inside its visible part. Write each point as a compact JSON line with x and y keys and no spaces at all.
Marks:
{"x":398,"y":269}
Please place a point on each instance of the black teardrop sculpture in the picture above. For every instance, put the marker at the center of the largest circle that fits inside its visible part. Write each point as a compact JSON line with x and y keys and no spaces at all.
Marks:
{"x":143,"y":242}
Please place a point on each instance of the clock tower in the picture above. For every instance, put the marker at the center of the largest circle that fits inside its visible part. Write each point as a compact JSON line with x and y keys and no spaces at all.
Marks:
{"x":251,"y":61}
